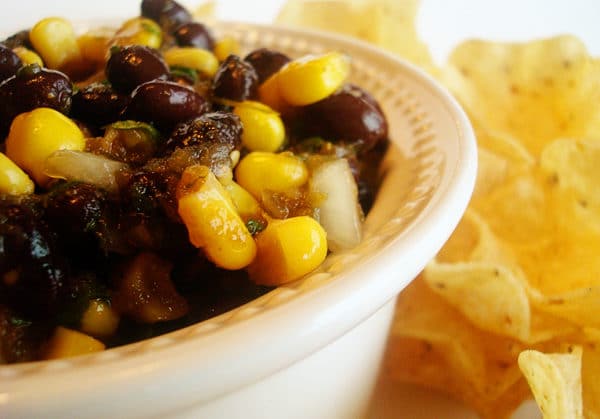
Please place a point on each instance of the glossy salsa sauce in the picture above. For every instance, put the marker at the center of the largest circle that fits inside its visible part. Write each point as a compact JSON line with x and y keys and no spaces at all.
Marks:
{"x":153,"y":176}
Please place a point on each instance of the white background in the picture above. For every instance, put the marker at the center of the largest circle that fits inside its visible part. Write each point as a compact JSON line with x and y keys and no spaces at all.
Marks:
{"x":442,"y":23}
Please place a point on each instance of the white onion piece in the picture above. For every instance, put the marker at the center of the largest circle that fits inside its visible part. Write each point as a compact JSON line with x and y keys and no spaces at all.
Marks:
{"x":84,"y":167}
{"x":336,"y":196}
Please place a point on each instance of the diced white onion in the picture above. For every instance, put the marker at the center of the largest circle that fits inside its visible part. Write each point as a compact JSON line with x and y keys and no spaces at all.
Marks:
{"x":84,"y":167}
{"x":339,"y":211}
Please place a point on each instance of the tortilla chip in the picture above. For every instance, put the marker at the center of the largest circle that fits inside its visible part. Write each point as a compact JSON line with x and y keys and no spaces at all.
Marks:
{"x":555,"y":380}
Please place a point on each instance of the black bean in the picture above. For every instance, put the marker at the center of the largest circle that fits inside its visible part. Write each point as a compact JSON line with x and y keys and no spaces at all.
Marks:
{"x":210,"y":128}
{"x":20,"y":338}
{"x":98,"y":104}
{"x":143,"y":192}
{"x":9,"y":62}
{"x":194,"y":34}
{"x":34,"y":271}
{"x":266,"y":62}
{"x":235,"y":79}
{"x":133,"y":65}
{"x":168,"y":13}
{"x":165,"y":103}
{"x":75,"y":208}
{"x":19,"y":39}
{"x":351,"y":115}
{"x":78,"y":214}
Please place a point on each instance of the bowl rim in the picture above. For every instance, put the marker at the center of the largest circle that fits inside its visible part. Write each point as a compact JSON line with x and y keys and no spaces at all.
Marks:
{"x":288,"y":321}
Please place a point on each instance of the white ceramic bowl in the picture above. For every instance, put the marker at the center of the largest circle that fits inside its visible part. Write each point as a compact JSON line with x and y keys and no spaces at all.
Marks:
{"x":310,"y":349}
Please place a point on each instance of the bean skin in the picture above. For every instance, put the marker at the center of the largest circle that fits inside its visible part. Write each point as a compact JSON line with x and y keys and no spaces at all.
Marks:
{"x":131,"y":66}
{"x":168,"y":13}
{"x":351,"y":115}
{"x":194,"y":34}
{"x":165,"y":104}
{"x":9,"y":62}
{"x":266,"y":62}
{"x":235,"y":79}
{"x":30,"y":253}
{"x":210,"y":128}
{"x":98,"y":104}
{"x":18,"y":39}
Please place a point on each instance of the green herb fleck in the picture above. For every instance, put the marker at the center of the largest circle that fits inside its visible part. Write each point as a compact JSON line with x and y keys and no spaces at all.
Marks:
{"x":150,"y":28}
{"x":19,"y":322}
{"x":136,"y":125}
{"x":185,"y":72}
{"x":114,"y":49}
{"x":255,"y":226}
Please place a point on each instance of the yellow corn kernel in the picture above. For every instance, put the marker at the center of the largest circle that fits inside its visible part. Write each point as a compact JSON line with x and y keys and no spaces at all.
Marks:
{"x":28,"y":56}
{"x":268,"y":93}
{"x":234,"y":156}
{"x":13,"y":180}
{"x":94,"y":45}
{"x":263,"y":128}
{"x":313,"y":77}
{"x":35,"y":135}
{"x":287,"y":250}
{"x":198,"y":59}
{"x":99,"y":319}
{"x":212,"y":221}
{"x":261,"y":171}
{"x":139,"y":31}
{"x":226,"y":46}
{"x":54,"y":39}
{"x":244,"y":202}
{"x":66,"y":343}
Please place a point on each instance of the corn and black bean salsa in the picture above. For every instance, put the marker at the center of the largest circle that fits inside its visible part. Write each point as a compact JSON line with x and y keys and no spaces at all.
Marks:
{"x":152,"y":176}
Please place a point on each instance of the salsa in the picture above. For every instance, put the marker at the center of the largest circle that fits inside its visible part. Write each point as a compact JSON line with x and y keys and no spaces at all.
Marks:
{"x":153,"y":176}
